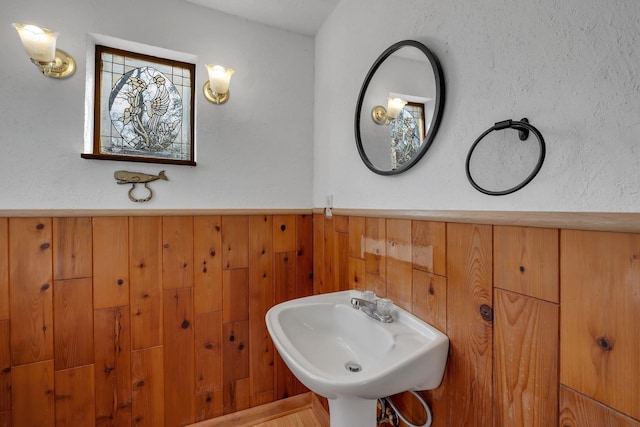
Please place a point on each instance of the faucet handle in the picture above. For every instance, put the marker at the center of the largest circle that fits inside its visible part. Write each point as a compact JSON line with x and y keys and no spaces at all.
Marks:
{"x":368,"y":296}
{"x":383,"y":306}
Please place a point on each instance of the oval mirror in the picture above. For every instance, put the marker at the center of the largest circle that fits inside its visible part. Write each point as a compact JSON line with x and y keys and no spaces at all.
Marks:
{"x":399,"y":108}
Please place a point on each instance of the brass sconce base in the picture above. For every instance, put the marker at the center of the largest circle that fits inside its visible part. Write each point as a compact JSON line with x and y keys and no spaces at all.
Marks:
{"x":379,"y":114}
{"x":212,"y":96}
{"x":62,"y":66}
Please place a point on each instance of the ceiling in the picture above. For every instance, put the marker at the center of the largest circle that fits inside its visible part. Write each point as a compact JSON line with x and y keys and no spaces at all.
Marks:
{"x":299,"y":16}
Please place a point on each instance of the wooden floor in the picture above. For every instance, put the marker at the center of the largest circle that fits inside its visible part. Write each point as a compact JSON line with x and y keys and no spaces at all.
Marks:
{"x":302,"y":410}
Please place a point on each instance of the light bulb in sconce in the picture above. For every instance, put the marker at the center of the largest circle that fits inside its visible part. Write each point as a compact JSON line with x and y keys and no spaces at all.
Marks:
{"x":216,"y":89}
{"x":40,"y":45}
{"x":383,"y":116}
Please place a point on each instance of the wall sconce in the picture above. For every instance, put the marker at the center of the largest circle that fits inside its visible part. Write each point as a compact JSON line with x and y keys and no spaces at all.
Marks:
{"x":40,"y":44}
{"x":383,"y":116}
{"x":216,"y":89}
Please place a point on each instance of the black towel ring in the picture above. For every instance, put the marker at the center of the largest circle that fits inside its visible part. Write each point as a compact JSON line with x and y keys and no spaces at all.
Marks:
{"x":524,"y":128}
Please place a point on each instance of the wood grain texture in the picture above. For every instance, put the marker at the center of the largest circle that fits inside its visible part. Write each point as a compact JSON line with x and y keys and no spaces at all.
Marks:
{"x":356,"y":237}
{"x":341,"y":223}
{"x":356,"y":274}
{"x":74,"y":396}
{"x":5,"y":419}
{"x":145,"y":251}
{"x":32,"y":395}
{"x":525,"y":360}
{"x":329,"y":266}
{"x":30,"y":290}
{"x":73,"y":320}
{"x":4,"y":269}
{"x":207,"y":252}
{"x":526,"y":260}
{"x":284,"y":276}
{"x":577,"y":410}
{"x":72,"y":249}
{"x":599,"y":347}
{"x":261,"y":298}
{"x":235,"y":396}
{"x":341,"y":262}
{"x":5,"y":367}
{"x":428,"y":246}
{"x":208,"y":352}
{"x":112,"y":337}
{"x":429,"y":299}
{"x":177,"y":252}
{"x":110,"y":262}
{"x":399,"y":270}
{"x":319,"y":285}
{"x":179,"y":396}
{"x":304,"y":255}
{"x":148,"y":387}
{"x":235,"y":242}
{"x":235,"y":295}
{"x":284,"y":233}
{"x":235,"y":351}
{"x":208,"y":405}
{"x":469,"y":293}
{"x":375,"y":246}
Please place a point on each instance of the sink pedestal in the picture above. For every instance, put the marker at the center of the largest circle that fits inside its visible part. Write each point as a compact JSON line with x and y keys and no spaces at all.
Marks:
{"x":352,"y":412}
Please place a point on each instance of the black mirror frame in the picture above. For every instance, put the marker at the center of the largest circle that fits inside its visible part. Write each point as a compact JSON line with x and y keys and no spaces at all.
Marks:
{"x":437,"y":112}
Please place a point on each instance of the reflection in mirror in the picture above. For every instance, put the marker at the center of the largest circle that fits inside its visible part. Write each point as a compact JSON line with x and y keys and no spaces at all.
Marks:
{"x":399,"y":108}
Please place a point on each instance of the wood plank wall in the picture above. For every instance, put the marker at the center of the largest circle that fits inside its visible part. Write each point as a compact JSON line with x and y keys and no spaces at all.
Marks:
{"x":542,"y":321}
{"x":144,"y":321}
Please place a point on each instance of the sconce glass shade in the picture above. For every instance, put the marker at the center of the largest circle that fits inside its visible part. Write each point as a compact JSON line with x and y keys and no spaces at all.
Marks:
{"x":394,"y":106}
{"x":383,"y":116}
{"x":40,"y":45}
{"x":216,"y":89}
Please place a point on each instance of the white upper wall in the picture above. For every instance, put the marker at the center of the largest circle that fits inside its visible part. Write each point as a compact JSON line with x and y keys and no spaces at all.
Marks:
{"x":253,"y":152}
{"x":571,"y":67}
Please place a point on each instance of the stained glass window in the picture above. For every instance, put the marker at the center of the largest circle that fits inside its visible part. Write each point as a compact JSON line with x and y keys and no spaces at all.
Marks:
{"x":143,"y":108}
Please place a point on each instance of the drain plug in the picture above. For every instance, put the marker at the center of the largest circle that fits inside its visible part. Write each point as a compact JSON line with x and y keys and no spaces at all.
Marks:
{"x":353,"y":366}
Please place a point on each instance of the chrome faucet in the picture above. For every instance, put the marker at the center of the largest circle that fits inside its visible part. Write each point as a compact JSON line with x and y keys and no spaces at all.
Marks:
{"x":379,"y":309}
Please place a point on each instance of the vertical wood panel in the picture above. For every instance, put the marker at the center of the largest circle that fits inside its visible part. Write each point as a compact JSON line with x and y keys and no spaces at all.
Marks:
{"x":235,"y":241}
{"x":177,"y":253}
{"x":599,"y":338}
{"x":235,"y":351}
{"x":5,"y":419}
{"x":399,"y":262}
{"x":260,"y":300}
{"x":375,"y":246}
{"x":73,"y":317}
{"x":112,"y":336}
{"x":577,"y":410}
{"x":72,"y":251}
{"x":356,"y":237}
{"x":145,"y":249}
{"x":284,"y":276}
{"x":527,"y":261}
{"x":341,"y":224}
{"x":318,"y":254}
{"x":5,"y":367}
{"x":148,"y":387}
{"x":75,"y":399}
{"x":356,"y":274}
{"x":235,"y":295}
{"x":430,"y":299}
{"x":207,"y":253}
{"x":525,"y":361}
{"x":4,"y":269}
{"x":469,"y":295}
{"x":110,"y":262}
{"x":329,"y":267}
{"x":178,"y":357}
{"x":236,"y":396}
{"x":32,"y":395}
{"x":208,"y":352}
{"x":341,"y":261}
{"x":209,"y":405}
{"x":30,"y":291}
{"x":284,"y":233}
{"x":304,"y":252}
{"x":428,"y":246}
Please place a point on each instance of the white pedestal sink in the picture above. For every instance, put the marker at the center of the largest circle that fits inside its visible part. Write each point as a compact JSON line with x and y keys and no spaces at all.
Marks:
{"x":352,"y":359}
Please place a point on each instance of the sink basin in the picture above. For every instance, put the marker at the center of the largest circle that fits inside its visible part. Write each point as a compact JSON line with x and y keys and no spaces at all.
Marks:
{"x":346,"y":356}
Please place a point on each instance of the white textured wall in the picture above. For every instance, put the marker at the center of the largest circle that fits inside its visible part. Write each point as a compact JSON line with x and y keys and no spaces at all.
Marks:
{"x":253,"y":152}
{"x":572,"y":67}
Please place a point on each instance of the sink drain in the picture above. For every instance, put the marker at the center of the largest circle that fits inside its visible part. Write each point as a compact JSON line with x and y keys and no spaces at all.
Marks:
{"x":353,"y":366}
